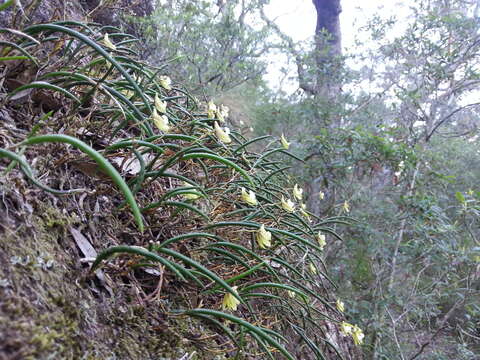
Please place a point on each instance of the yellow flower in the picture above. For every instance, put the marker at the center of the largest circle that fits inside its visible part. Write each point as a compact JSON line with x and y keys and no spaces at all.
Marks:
{"x":357,"y":335}
{"x":160,"y":105}
{"x":160,"y":121}
{"x":165,"y":82}
{"x":108,"y":43}
{"x":297,"y":192}
{"x":312,"y":268}
{"x":222,"y":112}
{"x":190,"y":196}
{"x":321,"y":238}
{"x":288,"y":205}
{"x":128,"y":93}
{"x":219,"y":116}
{"x":249,"y":197}
{"x":211,"y":110}
{"x":222,"y":134}
{"x":303,"y":211}
{"x":346,"y":207}
{"x":321,"y":195}
{"x":340,"y":305}
{"x":291,"y":293}
{"x":230,"y":302}
{"x":264,"y":237}
{"x":284,"y":142}
{"x":225,"y":110}
{"x":346,"y":328}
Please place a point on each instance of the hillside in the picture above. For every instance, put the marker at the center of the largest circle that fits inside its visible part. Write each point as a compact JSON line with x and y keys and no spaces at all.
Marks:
{"x":134,"y":224}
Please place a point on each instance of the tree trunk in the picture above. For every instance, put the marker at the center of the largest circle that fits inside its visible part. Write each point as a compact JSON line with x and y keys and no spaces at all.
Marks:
{"x":328,"y":46}
{"x":327,"y":88}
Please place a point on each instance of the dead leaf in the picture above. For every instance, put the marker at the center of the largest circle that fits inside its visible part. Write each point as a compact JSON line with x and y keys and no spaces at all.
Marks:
{"x":89,"y":252}
{"x":130,"y":165}
{"x":90,"y":168}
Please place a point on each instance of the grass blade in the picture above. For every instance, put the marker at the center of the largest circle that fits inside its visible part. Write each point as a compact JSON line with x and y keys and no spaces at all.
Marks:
{"x":102,"y":163}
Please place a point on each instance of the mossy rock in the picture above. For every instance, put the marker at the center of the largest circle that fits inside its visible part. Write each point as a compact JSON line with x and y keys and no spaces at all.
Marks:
{"x":52,"y":308}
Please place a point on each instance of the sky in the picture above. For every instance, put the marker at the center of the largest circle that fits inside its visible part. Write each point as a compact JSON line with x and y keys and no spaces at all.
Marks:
{"x":298,"y":20}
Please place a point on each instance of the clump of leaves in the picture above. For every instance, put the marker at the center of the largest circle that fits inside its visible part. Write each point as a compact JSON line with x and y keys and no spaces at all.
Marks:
{"x":241,"y":236}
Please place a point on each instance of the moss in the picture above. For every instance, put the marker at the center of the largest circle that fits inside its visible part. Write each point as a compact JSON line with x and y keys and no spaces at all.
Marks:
{"x":52,"y":308}
{"x":52,"y":216}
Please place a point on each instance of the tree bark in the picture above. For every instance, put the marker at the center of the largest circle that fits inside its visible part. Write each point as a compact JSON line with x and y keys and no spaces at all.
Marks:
{"x":328,"y":48}
{"x":328,"y":12}
{"x":327,"y":89}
